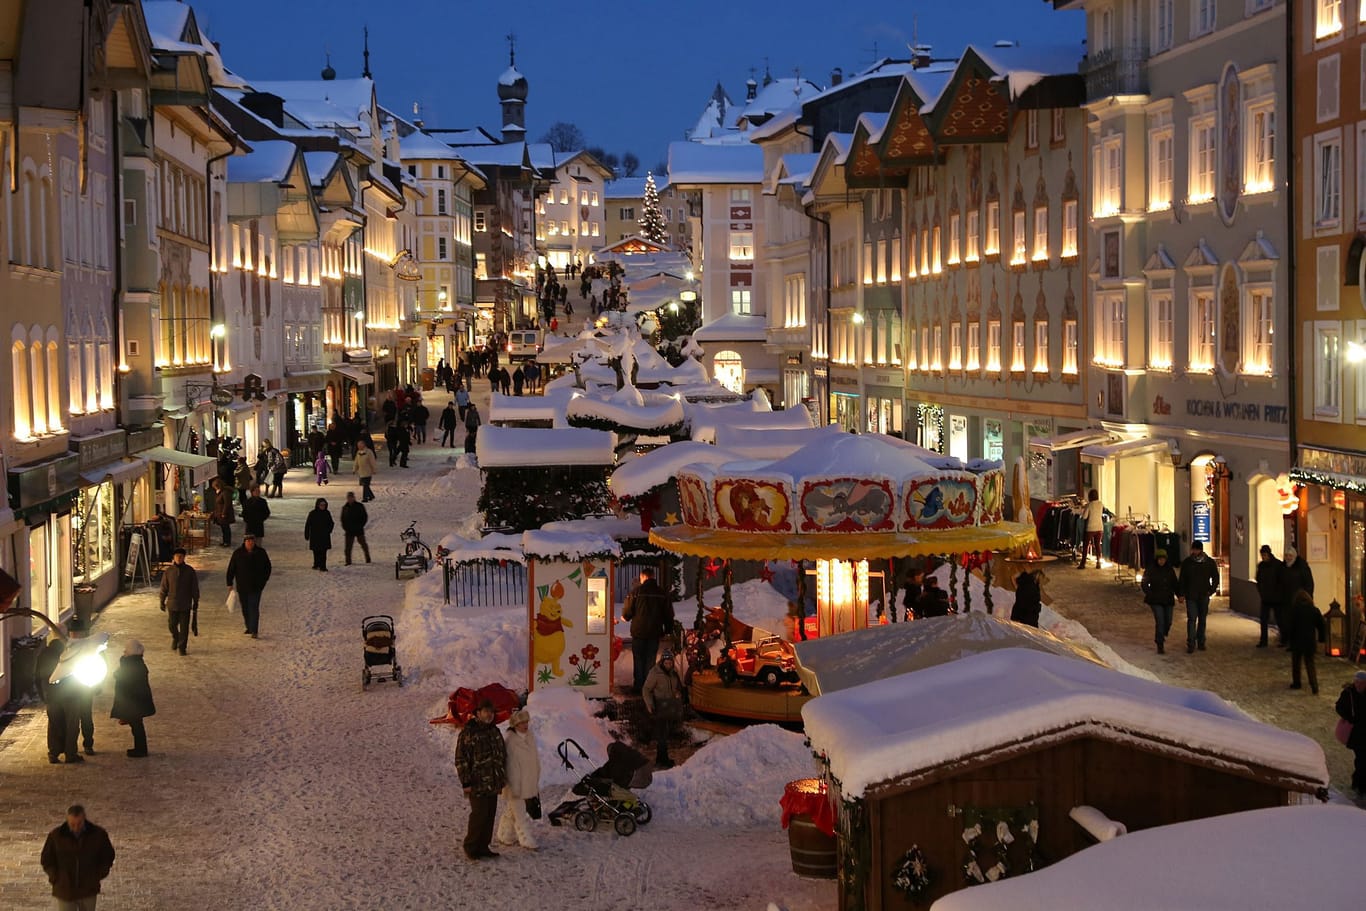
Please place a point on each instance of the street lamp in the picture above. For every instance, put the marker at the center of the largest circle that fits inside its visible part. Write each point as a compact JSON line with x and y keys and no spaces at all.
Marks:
{"x":687,"y":295}
{"x":218,"y":330}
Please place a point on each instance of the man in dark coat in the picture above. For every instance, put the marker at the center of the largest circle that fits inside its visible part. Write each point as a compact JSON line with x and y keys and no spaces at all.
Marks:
{"x":447,"y":423}
{"x":61,"y":698}
{"x":133,"y":696}
{"x":663,"y":698}
{"x":517,"y":379}
{"x":1028,"y":598}
{"x":934,"y":601}
{"x":1159,"y":593}
{"x":317,"y":442}
{"x":1198,"y":582}
{"x":353,"y":519}
{"x":1271,"y":589}
{"x":223,"y":513}
{"x":1307,"y":630}
{"x":318,"y":533}
{"x":481,"y":763}
{"x":1298,"y":576}
{"x":77,"y":856}
{"x":179,"y":598}
{"x":420,"y":416}
{"x":254,"y":513}
{"x":1351,"y":707}
{"x":249,"y":568}
{"x":652,"y":618}
{"x":472,"y":423}
{"x":335,"y":439}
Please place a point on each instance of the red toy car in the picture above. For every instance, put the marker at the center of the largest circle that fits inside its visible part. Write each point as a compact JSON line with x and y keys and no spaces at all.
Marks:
{"x":770,"y":661}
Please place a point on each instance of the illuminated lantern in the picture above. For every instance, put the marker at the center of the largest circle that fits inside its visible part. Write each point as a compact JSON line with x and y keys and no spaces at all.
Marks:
{"x":841,"y":596}
{"x":1335,"y":642}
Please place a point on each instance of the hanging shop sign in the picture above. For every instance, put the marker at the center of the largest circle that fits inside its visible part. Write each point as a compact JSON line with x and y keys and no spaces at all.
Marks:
{"x":100,"y":448}
{"x":1200,"y":522}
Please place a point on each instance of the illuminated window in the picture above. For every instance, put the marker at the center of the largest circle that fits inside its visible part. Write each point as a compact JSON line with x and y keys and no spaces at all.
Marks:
{"x":1108,"y":172}
{"x":1259,"y":328}
{"x":974,"y":361}
{"x":741,"y":246}
{"x":1202,"y":331}
{"x":1040,"y":346}
{"x":1040,"y":252}
{"x":1017,"y":346}
{"x":740,"y":301}
{"x":974,"y":223}
{"x":1327,"y":369}
{"x":1202,"y":153}
{"x":955,"y":345}
{"x":1160,"y":331}
{"x":993,"y":241}
{"x":1160,"y":144}
{"x":953,"y":239}
{"x":1069,"y":347}
{"x":729,"y":371}
{"x":1327,"y":19}
{"x":1018,"y":241}
{"x":1069,"y":229}
{"x":994,"y":346}
{"x":936,"y":250}
{"x":1260,"y":165}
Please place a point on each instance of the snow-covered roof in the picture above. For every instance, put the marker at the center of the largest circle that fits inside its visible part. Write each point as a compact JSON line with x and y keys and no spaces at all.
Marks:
{"x":619,"y":528}
{"x":491,"y":547}
{"x":775,"y":124}
{"x":326,"y":102}
{"x":734,"y":327}
{"x":706,"y":423}
{"x":777,"y":96}
{"x":715,"y":117}
{"x":568,"y":545}
{"x":695,"y":163}
{"x":269,"y":161}
{"x":833,"y":663}
{"x":643,"y":473}
{"x":797,"y":167}
{"x":662,"y":415}
{"x":1023,"y":65}
{"x":512,"y":447}
{"x":878,"y":732}
{"x":631,"y":187}
{"x":505,"y":154}
{"x":511,"y":76}
{"x":166,"y":21}
{"x":771,"y":443}
{"x":874,"y":122}
{"x":423,"y":146}
{"x":1221,"y":862}
{"x":929,"y":84}
{"x":542,"y":156}
{"x":320,"y":165}
{"x":506,"y":409}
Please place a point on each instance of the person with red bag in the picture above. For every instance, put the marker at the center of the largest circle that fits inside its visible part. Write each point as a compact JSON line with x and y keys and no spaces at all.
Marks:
{"x":1351,"y":708}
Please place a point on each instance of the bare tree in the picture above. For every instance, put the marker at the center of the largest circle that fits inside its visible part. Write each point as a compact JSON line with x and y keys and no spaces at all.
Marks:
{"x":564,"y":137}
{"x":607,"y":159}
{"x":630,"y":164}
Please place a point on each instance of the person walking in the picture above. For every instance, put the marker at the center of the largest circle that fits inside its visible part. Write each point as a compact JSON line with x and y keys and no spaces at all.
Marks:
{"x":1298,"y":576}
{"x":83,"y":695}
{"x":60,"y":698}
{"x":318,"y":533}
{"x":405,"y":443}
{"x":462,"y":402}
{"x":1159,"y":593}
{"x":365,"y":470}
{"x":652,"y":617}
{"x":1198,"y":581}
{"x":242,"y":478}
{"x":133,"y":696}
{"x":1351,"y":708}
{"x":420,"y":418}
{"x":472,"y":423}
{"x":335,"y":440}
{"x":1270,"y":590}
{"x":663,"y":696}
{"x":279,"y":465}
{"x":518,"y":378}
{"x":321,"y":468}
{"x":523,"y":782}
{"x":254,"y":514}
{"x":249,"y":569}
{"x":353,"y":519}
{"x":481,"y":763}
{"x":505,"y":380}
{"x":223,"y":514}
{"x":77,"y":856}
{"x":934,"y":601}
{"x":179,"y":598}
{"x":1093,"y":514}
{"x":1306,"y":631}
{"x":446,"y":424}
{"x":531,"y":371}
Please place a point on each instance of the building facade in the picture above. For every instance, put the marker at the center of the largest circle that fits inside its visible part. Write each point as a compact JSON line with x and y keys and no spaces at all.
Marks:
{"x":571,"y":212}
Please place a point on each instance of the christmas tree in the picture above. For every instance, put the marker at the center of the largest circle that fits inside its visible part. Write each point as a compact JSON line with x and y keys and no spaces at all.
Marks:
{"x":652,"y":224}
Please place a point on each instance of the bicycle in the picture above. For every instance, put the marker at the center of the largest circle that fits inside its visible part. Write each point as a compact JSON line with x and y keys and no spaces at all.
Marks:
{"x":416,"y":557}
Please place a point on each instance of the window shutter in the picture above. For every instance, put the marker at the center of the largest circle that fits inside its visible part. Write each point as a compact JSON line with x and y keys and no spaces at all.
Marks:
{"x":1328,"y":279}
{"x":1329,"y":87}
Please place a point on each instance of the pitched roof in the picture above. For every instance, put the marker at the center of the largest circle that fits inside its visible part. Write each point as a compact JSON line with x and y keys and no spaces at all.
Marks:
{"x":696,"y":163}
{"x":268,"y":162}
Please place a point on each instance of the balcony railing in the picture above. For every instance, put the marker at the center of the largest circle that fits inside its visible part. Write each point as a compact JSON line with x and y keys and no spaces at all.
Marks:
{"x":1116,"y":71}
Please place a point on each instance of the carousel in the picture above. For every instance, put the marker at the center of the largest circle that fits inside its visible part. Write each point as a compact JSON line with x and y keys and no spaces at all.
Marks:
{"x":834,"y":508}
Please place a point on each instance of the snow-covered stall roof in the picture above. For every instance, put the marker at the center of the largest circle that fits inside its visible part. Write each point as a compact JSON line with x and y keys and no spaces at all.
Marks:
{"x":705,"y":422}
{"x":981,"y":704}
{"x":619,"y":528}
{"x":568,"y":545}
{"x":493,"y":547}
{"x":662,"y":414}
{"x":1216,"y":863}
{"x":734,"y":327}
{"x":642,"y":474}
{"x":512,"y":447}
{"x":511,"y":409}
{"x":692,"y":163}
{"x":850,"y":659}
{"x":770,"y":444}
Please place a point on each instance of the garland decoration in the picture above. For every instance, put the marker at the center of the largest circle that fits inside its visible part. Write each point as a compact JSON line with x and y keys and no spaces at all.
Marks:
{"x":912,"y":875}
{"x":977,"y":869}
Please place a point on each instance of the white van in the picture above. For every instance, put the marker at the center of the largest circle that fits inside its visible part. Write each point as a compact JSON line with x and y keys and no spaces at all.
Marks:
{"x":523,"y":344}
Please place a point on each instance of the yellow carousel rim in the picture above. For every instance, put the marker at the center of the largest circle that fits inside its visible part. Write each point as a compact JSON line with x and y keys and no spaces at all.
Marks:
{"x":711,"y":542}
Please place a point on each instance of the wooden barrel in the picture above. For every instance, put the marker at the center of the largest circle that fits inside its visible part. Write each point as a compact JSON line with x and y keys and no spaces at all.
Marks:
{"x":813,"y":852}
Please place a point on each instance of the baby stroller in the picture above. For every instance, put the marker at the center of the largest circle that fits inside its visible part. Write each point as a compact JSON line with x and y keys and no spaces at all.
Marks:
{"x":379,"y":636}
{"x":603,"y":794}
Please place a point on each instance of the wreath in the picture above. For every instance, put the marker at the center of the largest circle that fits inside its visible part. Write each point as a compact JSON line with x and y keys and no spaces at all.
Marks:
{"x":912,"y":875}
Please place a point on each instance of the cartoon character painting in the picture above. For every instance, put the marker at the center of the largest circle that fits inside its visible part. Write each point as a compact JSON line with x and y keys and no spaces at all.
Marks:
{"x":846,"y":505}
{"x":993,"y":500}
{"x":548,"y":640}
{"x":751,"y":506}
{"x":940,"y":503}
{"x":692,"y":495}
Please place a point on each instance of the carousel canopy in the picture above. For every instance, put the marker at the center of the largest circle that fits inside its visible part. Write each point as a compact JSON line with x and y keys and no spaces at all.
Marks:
{"x":838,"y":662}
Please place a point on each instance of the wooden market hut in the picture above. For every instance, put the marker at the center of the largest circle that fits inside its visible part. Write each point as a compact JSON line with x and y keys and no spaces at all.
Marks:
{"x":969,"y":771}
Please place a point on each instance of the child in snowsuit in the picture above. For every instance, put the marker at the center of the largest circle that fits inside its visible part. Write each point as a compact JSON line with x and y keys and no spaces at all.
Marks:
{"x":320,"y":467}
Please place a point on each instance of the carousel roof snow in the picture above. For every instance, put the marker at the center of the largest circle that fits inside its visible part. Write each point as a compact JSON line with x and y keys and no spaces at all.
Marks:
{"x":1001,"y":701}
{"x":706,"y":421}
{"x":861,"y":656}
{"x":642,"y":474}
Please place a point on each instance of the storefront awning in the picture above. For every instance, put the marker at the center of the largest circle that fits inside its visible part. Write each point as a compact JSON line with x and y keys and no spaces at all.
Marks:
{"x":195,"y":463}
{"x":359,"y":377}
{"x":1142,"y":446}
{"x":118,"y":472}
{"x":1072,"y":439}
{"x":238,"y":406}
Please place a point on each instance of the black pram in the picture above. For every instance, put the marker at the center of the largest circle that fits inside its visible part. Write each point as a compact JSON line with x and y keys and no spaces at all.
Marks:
{"x":381,"y":658}
{"x":605,"y":793}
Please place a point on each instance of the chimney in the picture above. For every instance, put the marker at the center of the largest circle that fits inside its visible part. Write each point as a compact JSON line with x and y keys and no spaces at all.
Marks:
{"x":266,"y":106}
{"x":836,"y":76}
{"x":751,"y":89}
{"x":920,"y":56}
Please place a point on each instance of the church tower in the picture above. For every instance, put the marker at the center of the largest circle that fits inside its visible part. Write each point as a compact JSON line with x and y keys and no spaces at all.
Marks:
{"x":512,"y":92}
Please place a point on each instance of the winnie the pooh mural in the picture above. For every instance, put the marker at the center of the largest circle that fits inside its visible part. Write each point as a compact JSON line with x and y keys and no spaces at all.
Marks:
{"x":548,"y":645}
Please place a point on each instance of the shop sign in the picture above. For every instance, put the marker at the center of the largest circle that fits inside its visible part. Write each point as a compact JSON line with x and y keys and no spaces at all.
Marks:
{"x":101,"y":448}
{"x":1237,"y":411}
{"x":1200,"y":522}
{"x":1344,"y":463}
{"x":37,"y":484}
{"x":794,"y":360}
{"x":221,"y":396}
{"x":886,"y":379}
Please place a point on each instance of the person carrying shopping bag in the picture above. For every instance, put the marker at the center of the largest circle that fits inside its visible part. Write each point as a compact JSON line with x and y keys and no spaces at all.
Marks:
{"x":522,"y":794}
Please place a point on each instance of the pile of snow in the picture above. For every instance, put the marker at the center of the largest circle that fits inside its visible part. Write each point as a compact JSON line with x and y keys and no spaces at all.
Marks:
{"x":734,"y":781}
{"x":494,"y":546}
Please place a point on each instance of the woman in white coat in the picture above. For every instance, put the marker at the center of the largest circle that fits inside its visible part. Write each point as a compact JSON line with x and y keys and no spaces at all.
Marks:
{"x":523,"y":782}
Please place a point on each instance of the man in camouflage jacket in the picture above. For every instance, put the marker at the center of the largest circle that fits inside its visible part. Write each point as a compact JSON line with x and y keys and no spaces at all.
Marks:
{"x":481,"y":763}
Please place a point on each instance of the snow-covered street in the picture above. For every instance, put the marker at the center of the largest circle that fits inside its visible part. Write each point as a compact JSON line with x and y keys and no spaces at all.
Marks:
{"x":275,"y":782}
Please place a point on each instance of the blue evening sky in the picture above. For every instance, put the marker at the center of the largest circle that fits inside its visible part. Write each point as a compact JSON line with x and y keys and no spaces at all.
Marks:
{"x":632,"y":76}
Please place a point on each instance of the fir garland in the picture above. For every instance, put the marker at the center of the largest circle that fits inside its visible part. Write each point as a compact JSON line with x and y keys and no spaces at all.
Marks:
{"x":727,"y":604}
{"x":912,"y":875}
{"x":594,"y":422}
{"x":523,"y":498}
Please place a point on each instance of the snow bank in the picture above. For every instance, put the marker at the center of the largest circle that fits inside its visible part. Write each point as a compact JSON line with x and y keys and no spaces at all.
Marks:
{"x":733,"y":781}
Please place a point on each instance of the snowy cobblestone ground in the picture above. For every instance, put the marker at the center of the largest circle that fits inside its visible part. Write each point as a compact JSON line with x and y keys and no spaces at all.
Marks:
{"x":275,"y":783}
